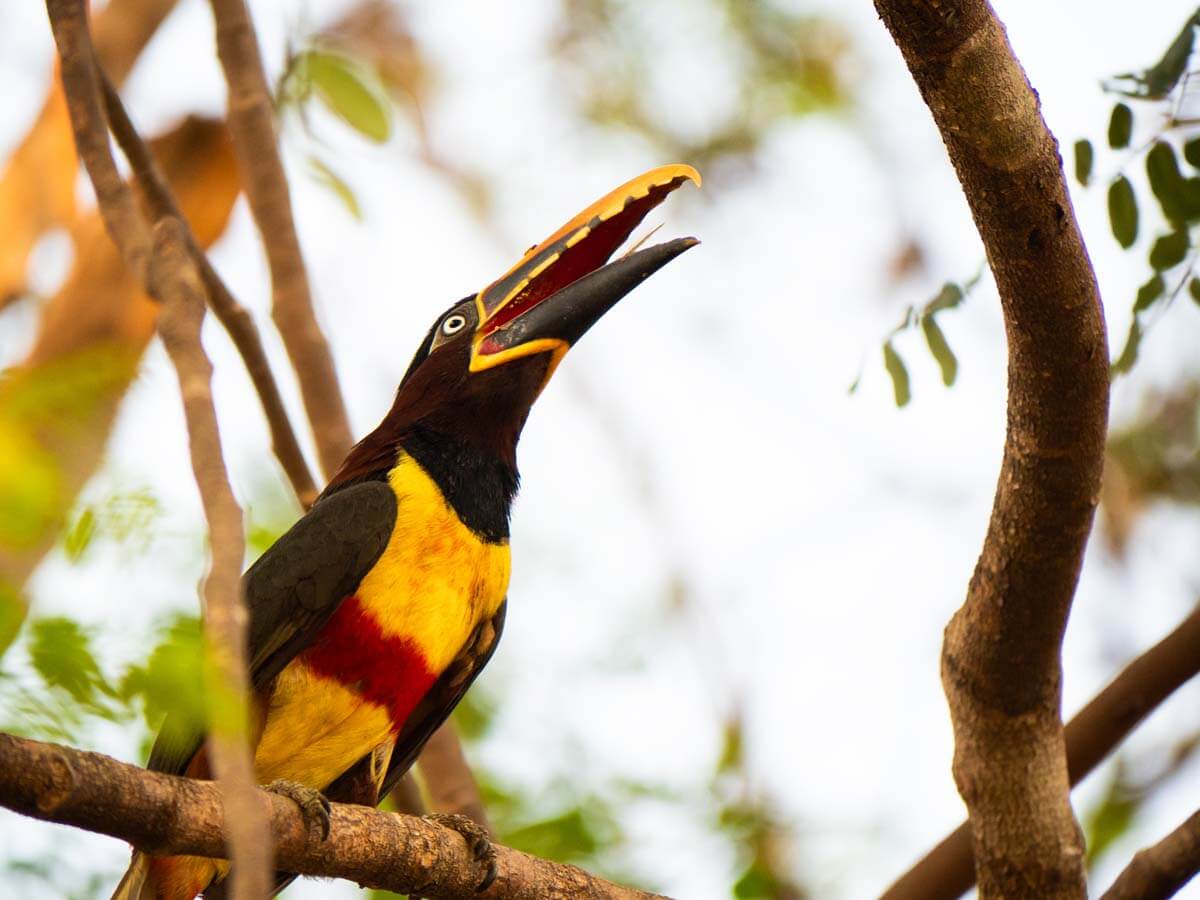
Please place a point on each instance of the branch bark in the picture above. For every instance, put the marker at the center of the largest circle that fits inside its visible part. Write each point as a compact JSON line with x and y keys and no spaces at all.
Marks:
{"x":164,"y":265}
{"x":252,"y":123}
{"x":1001,"y":661}
{"x":167,"y":815}
{"x":1162,"y":870}
{"x":948,"y":870}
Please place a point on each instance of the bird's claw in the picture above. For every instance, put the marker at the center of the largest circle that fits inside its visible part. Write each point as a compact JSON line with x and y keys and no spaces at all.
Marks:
{"x":478,"y":842}
{"x":314,"y":806}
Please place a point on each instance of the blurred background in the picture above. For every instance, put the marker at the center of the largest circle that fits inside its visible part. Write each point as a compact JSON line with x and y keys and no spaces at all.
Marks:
{"x":751,"y":498}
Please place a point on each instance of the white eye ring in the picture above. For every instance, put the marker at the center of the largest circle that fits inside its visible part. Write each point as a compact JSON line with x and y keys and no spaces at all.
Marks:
{"x":454,"y":324}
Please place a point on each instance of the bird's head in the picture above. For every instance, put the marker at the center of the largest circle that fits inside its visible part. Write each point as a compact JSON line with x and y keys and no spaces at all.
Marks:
{"x":486,"y":359}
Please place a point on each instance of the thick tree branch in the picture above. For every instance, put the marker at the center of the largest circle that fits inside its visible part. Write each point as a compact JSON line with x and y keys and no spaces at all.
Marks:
{"x":1001,"y":664}
{"x":166,"y":815}
{"x":252,"y":123}
{"x":163,"y":263}
{"x":948,"y":870}
{"x":237,"y":321}
{"x":1162,"y":870}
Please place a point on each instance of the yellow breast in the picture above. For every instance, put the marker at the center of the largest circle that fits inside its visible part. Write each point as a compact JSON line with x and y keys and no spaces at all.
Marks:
{"x":437,"y":579}
{"x":435,"y":582}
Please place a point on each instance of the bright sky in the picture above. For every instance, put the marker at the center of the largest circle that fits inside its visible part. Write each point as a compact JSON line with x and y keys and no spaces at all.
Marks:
{"x":703,"y":429}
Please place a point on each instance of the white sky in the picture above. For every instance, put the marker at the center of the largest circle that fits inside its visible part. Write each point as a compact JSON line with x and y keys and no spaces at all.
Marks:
{"x":704,"y":427}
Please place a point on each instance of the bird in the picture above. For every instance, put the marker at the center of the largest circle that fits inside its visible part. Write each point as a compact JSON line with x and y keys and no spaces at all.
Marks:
{"x":372,"y":615}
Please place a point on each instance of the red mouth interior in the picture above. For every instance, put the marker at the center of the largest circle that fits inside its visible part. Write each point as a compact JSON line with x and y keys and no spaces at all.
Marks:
{"x":586,"y":256}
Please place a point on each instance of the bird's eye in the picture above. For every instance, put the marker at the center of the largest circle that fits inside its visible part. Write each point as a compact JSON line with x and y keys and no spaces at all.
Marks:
{"x":453,"y":324}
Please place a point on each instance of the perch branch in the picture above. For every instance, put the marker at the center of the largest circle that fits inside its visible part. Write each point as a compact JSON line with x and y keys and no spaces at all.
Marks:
{"x":168,"y":815}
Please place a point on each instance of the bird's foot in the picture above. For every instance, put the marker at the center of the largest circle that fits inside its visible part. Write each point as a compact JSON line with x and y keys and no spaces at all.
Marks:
{"x":477,"y":840}
{"x":314,"y":807}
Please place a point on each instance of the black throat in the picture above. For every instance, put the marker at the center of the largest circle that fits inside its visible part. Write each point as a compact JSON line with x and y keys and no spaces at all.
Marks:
{"x":478,"y":485}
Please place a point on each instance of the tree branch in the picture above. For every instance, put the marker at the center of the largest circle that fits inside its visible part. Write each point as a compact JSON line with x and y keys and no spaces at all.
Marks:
{"x":948,"y":870}
{"x":165,"y":267}
{"x":1001,"y":662}
{"x":167,"y":815}
{"x":237,"y":321}
{"x":1162,"y":870}
{"x":252,"y":123}
{"x":449,"y":783}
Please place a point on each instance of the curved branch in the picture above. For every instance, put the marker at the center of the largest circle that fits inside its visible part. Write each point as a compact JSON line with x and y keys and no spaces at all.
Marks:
{"x":1162,"y":870}
{"x":252,"y":124}
{"x":237,"y":321}
{"x":167,"y":815}
{"x":948,"y":870}
{"x":1001,"y":661}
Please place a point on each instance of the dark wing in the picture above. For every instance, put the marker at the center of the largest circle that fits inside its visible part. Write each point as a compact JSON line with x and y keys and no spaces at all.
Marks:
{"x":294,"y":588}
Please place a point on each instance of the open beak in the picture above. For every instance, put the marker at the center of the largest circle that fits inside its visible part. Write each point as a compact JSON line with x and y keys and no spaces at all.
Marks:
{"x":561,"y":287}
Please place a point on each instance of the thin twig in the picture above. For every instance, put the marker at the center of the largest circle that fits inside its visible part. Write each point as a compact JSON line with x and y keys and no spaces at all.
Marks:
{"x":1162,"y":870}
{"x":237,"y":321}
{"x":167,"y":815}
{"x":164,"y":266}
{"x":252,"y":124}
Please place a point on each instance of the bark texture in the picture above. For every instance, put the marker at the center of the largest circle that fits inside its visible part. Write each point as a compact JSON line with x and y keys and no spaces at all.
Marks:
{"x":1001,"y":665}
{"x":948,"y":870}
{"x":1162,"y":870}
{"x":166,"y":815}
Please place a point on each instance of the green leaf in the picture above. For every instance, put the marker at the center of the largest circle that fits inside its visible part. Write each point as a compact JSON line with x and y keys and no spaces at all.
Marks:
{"x":1194,"y":290}
{"x":172,"y":681}
{"x":899,"y":374}
{"x":1112,"y":818}
{"x":330,"y":179}
{"x":940,"y":349}
{"x":1148,"y":293}
{"x":1179,"y":198}
{"x":341,"y":84}
{"x":78,"y":536}
{"x":950,"y":296}
{"x":1160,"y":79}
{"x":1129,"y":353}
{"x":1191,"y":152}
{"x":1085,"y":156}
{"x":756,"y":883}
{"x":1123,"y":212}
{"x":1169,"y":250}
{"x":1120,"y":126}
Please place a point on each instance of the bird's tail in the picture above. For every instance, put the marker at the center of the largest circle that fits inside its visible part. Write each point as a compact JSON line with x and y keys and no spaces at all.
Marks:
{"x":136,"y":883}
{"x":167,"y":877}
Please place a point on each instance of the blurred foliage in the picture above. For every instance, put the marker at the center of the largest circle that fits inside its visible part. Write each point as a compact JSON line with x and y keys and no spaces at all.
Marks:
{"x":1165,"y":102}
{"x":624,"y":64}
{"x":368,"y":68}
{"x":55,"y":684}
{"x":951,"y":296}
{"x":1130,"y":786}
{"x":124,"y":518}
{"x":1155,"y":457}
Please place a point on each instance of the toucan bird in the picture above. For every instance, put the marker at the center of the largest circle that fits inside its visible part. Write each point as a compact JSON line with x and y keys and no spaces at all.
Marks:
{"x":372,"y":615}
